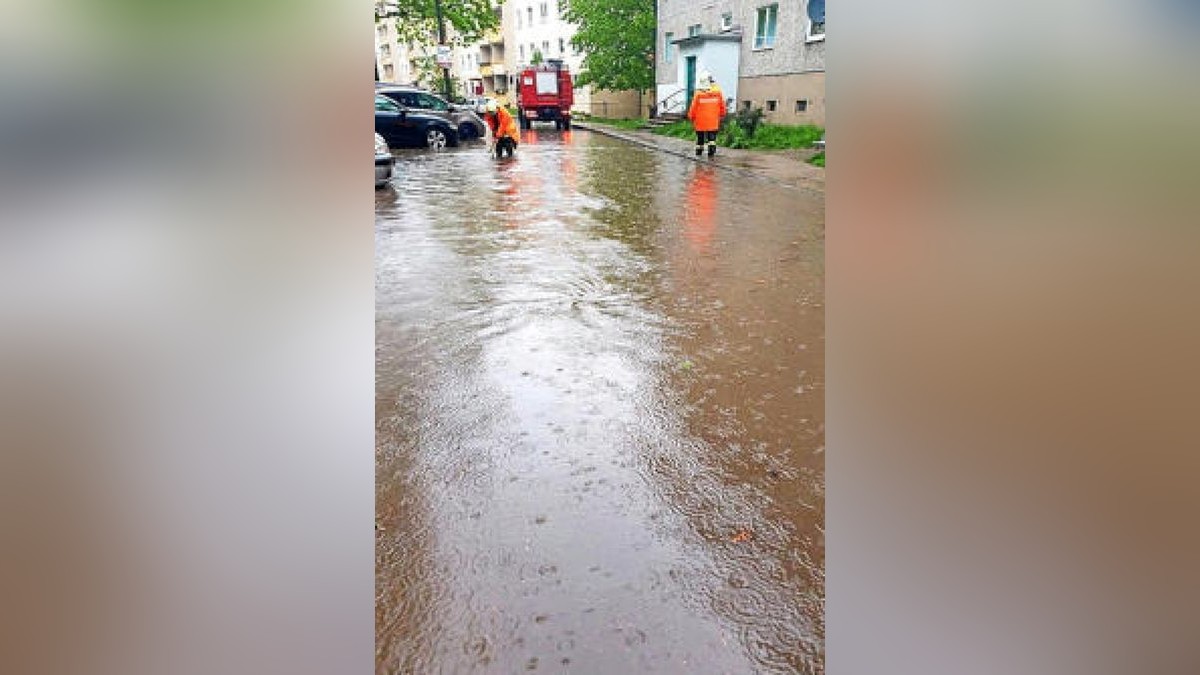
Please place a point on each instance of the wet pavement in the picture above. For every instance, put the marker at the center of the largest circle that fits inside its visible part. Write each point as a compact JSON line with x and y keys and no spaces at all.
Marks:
{"x":600,"y":414}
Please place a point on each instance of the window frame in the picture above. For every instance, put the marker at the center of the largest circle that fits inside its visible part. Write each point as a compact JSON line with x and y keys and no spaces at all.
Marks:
{"x":727,"y":21}
{"x":668,"y":48}
{"x":764,"y":16}
{"x":698,"y":29}
{"x":809,"y":35}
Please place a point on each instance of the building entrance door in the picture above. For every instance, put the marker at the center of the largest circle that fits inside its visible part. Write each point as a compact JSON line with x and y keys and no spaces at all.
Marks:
{"x":691,"y":82}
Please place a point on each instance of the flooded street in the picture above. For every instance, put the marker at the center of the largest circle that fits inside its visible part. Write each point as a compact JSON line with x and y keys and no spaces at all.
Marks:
{"x":600,"y":414}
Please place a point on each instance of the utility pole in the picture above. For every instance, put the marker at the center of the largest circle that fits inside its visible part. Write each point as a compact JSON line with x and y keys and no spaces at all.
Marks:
{"x":437,"y":8}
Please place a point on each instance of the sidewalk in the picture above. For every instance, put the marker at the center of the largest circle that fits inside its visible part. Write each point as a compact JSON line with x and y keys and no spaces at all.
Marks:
{"x":784,"y":166}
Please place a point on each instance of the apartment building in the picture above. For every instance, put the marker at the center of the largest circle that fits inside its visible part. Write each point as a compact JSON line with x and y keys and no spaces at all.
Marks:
{"x":491,"y":57}
{"x":403,"y":63}
{"x":393,"y":62}
{"x":767,"y":54}
{"x":537,"y":27}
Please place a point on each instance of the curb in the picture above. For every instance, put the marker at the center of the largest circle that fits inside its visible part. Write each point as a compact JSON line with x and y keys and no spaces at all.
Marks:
{"x":688,"y":155}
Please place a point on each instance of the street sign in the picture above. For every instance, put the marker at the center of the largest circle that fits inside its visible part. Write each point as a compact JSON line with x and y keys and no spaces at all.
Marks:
{"x":444,"y":59}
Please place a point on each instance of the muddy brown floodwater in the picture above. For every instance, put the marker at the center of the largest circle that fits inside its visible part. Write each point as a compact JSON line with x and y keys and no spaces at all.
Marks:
{"x":600,"y":414}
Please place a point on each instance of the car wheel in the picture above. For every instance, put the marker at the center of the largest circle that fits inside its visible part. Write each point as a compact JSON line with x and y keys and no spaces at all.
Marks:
{"x":435,"y":139}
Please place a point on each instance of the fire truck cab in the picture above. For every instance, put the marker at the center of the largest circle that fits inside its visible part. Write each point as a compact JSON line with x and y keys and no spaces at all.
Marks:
{"x":545,"y":93}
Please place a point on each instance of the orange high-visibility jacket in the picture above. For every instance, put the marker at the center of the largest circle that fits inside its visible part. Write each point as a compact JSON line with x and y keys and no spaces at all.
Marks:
{"x":502,"y":124}
{"x":706,"y":111}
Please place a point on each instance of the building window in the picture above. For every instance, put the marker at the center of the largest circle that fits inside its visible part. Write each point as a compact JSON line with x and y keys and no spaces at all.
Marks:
{"x":529,"y":9}
{"x":694,"y":29}
{"x":668,"y":48}
{"x":522,"y":48}
{"x":562,"y":46}
{"x":772,"y":105}
{"x":802,"y":105}
{"x":765,"y":24}
{"x":545,"y":47}
{"x":388,"y":72}
{"x":815,"y":21}
{"x":727,"y":21}
{"x":545,"y":12}
{"x":519,"y":20}
{"x":745,"y":105}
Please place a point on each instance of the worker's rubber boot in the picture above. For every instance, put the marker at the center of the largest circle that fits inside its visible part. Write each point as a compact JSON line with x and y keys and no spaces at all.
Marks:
{"x":699,"y":150}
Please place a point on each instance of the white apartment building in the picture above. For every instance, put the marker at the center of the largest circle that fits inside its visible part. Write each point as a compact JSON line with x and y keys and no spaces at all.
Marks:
{"x":533,"y":26}
{"x":398,"y":62}
{"x":392,"y":59}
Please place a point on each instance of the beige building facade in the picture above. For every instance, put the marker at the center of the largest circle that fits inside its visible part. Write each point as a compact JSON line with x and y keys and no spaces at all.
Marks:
{"x":767,"y":54}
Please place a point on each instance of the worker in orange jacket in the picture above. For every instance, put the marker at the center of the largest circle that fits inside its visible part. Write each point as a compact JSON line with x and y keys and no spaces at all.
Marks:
{"x":503,"y":127}
{"x":706,"y":112}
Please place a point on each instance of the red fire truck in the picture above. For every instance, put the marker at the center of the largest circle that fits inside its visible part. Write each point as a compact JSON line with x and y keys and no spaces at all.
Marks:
{"x":545,"y":94}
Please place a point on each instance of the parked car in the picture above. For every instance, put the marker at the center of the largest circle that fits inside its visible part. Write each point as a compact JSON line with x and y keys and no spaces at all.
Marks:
{"x":385,"y":163}
{"x":465,"y":120}
{"x":401,"y":126}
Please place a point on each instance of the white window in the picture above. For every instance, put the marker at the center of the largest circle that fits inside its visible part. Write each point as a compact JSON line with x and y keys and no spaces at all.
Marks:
{"x":727,"y":21}
{"x":545,"y":12}
{"x":694,"y":29}
{"x":545,"y":48}
{"x":815,"y":26}
{"x":519,"y":19}
{"x":668,"y":48}
{"x":522,"y":48}
{"x":765,"y":25}
{"x":562,"y":46}
{"x":529,"y":9}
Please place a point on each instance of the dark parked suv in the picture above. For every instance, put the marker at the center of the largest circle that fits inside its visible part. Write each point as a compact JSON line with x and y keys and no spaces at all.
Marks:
{"x":401,"y":126}
{"x":464,"y":119}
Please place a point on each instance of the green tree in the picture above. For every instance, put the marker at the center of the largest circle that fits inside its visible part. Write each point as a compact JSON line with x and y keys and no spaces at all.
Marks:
{"x":537,"y":57}
{"x":617,"y":39}
{"x":416,"y":20}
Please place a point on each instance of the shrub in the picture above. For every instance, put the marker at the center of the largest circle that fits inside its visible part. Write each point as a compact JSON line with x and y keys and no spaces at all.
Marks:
{"x":748,"y":120}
